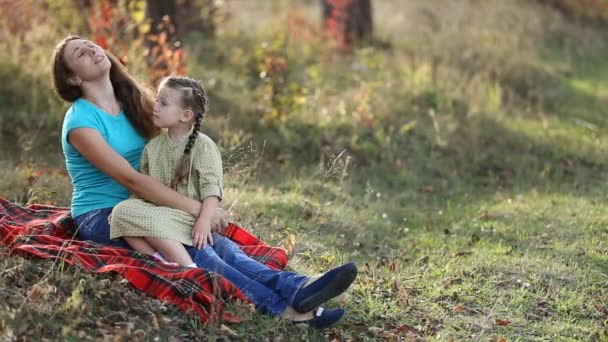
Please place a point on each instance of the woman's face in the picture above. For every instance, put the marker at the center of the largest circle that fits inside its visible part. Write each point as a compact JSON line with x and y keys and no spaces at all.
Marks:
{"x":88,"y":61}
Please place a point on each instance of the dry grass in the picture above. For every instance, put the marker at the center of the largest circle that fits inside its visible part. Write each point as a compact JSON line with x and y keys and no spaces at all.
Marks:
{"x":471,"y":191}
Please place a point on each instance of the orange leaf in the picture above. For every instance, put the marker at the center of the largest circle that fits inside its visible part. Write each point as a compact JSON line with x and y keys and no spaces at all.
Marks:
{"x":458,"y":308}
{"x":502,"y":322}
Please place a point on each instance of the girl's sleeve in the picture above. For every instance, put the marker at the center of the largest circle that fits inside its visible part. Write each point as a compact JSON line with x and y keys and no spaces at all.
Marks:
{"x":208,"y":164}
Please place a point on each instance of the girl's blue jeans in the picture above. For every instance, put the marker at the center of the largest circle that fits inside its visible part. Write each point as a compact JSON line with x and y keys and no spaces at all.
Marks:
{"x":271,"y":291}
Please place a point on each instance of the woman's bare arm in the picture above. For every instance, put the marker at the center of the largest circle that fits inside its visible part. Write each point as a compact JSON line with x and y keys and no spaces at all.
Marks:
{"x":96,"y":150}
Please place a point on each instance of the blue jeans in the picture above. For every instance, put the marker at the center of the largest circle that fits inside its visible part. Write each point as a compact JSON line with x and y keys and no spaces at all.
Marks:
{"x":94,"y":226}
{"x":271,"y":291}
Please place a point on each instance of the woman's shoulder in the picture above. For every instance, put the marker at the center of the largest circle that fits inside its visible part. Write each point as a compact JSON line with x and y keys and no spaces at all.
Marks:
{"x":80,"y":114}
{"x":80,"y":106}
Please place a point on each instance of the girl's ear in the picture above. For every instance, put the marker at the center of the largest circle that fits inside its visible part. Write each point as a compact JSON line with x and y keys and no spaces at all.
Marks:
{"x":187,"y":115}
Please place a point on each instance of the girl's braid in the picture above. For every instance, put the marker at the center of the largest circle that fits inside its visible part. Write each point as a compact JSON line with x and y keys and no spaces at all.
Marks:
{"x":195,"y":98}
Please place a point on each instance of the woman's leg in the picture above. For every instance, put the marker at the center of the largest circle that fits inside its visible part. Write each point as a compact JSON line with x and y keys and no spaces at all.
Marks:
{"x":286,"y":284}
{"x":172,"y":250}
{"x":94,"y":226}
{"x":300,"y":291}
{"x":265,"y":299}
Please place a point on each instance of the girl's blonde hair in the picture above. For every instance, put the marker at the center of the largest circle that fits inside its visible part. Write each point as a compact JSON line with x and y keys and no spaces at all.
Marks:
{"x":193,"y":97}
{"x":137,"y":102}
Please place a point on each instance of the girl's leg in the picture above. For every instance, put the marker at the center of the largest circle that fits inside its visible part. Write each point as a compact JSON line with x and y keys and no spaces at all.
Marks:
{"x":140,"y":244}
{"x":94,"y":226}
{"x":172,"y":250}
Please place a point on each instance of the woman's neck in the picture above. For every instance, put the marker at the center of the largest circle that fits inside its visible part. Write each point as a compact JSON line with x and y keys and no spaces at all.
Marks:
{"x":101,"y":93}
{"x":179,"y":131}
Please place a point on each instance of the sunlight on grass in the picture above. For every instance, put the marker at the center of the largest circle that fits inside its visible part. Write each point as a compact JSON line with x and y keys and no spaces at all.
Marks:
{"x":460,"y":160}
{"x":589,"y":87}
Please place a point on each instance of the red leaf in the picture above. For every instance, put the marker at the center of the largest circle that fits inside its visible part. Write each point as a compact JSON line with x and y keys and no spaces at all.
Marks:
{"x":502,"y":322}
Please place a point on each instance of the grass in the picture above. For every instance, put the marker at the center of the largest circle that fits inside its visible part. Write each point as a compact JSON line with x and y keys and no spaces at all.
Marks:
{"x":471,"y":193}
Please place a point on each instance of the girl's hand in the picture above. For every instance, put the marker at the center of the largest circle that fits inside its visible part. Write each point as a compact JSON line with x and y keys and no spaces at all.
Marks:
{"x":201,"y":233}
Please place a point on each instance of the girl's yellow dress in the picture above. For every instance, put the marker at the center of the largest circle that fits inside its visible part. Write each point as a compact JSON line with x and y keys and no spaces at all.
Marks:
{"x":136,"y":217}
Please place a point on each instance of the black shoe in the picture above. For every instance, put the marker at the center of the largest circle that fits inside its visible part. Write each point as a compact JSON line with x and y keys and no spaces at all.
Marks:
{"x":324,"y":318}
{"x":328,"y":286}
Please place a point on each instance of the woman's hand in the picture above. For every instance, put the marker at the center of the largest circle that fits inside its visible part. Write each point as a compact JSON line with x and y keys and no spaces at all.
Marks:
{"x":201,"y":233}
{"x":218,"y":221}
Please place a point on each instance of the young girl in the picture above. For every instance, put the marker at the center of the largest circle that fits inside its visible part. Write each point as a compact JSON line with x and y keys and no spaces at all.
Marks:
{"x":189,"y":162}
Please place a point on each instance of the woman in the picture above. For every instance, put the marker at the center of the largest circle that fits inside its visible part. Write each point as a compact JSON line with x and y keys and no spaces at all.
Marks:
{"x":103,"y":136}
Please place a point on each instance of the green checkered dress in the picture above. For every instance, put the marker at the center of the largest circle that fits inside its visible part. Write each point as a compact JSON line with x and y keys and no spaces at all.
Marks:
{"x":136,"y":217}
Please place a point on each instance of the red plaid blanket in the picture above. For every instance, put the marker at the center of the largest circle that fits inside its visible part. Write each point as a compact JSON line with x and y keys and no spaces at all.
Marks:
{"x":46,"y":231}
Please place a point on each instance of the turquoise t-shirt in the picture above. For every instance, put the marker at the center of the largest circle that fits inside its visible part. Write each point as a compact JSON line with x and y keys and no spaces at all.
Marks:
{"x":93,"y":189}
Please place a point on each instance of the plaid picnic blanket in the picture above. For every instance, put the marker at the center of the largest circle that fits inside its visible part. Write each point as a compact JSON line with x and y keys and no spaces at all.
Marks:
{"x":46,"y":232}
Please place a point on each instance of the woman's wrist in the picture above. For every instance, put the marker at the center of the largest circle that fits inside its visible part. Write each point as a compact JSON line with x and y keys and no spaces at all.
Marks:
{"x":208,"y":207}
{"x":196,"y":209}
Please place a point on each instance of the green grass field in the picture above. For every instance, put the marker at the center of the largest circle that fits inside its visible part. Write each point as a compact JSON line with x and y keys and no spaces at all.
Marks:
{"x":460,"y":161}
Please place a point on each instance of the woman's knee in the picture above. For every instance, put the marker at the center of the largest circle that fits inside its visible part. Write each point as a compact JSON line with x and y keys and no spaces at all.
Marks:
{"x":226,"y":248}
{"x":206,"y":257}
{"x":96,"y":229}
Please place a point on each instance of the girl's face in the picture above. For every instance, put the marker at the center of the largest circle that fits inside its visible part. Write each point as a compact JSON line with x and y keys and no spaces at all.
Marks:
{"x":88,"y":61}
{"x":168,"y":111}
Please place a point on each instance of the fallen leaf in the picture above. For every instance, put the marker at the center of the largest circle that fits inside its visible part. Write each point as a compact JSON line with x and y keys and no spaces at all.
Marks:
{"x":41,"y":291}
{"x":450,"y":281}
{"x":485,"y":216}
{"x":422,"y":260}
{"x":427,"y":189}
{"x":374,"y":330}
{"x":406,"y":328}
{"x":502,"y":322}
{"x":225,"y":329}
{"x":601,"y":308}
{"x":458,"y":308}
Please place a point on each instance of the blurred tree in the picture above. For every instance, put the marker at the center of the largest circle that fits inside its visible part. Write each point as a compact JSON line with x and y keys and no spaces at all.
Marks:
{"x":199,"y":15}
{"x":586,"y":9}
{"x":185,"y":15}
{"x":347,"y":21}
{"x":157,"y":9}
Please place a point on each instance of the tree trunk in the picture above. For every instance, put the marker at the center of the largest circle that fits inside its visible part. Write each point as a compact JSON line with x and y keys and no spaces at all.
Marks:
{"x":157,"y":9}
{"x":347,"y":21}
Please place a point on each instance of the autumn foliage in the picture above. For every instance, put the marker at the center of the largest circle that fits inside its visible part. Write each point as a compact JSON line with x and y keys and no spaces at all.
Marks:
{"x":585,"y":9}
{"x":164,"y":54}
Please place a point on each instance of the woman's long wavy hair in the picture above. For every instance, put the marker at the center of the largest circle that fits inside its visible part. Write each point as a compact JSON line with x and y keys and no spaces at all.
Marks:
{"x":136,"y":101}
